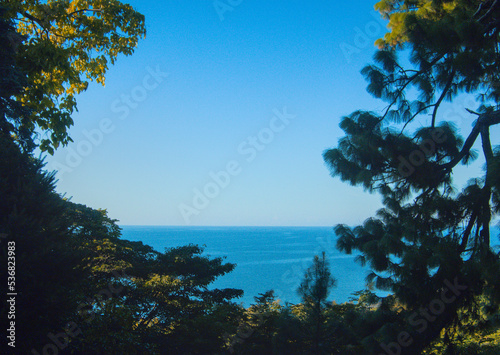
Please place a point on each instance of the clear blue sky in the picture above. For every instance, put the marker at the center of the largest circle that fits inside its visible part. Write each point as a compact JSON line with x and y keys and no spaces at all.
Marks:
{"x":221,"y":116}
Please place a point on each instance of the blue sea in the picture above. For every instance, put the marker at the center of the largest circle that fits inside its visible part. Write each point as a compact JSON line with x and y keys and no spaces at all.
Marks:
{"x":266,"y":257}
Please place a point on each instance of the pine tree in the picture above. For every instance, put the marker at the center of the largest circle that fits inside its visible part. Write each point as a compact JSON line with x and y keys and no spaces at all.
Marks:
{"x":430,"y":238}
{"x":314,"y":290}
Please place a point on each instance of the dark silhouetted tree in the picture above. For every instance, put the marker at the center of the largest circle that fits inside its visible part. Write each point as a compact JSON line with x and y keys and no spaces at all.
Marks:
{"x":431,"y":237}
{"x":314,"y":290}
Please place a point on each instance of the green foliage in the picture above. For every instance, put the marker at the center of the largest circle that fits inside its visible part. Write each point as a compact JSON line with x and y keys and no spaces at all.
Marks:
{"x":73,"y":267}
{"x":160,"y":299}
{"x":429,"y":232}
{"x":67,"y":44}
{"x":12,"y":82}
{"x":477,"y":332}
{"x":79,"y":282}
{"x":317,"y":282}
{"x":257,"y":326}
{"x":48,"y":272}
{"x":430,"y":242}
{"x":314,"y":290}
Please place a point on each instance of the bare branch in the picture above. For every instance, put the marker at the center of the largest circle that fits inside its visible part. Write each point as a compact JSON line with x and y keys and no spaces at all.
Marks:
{"x":443,"y":94}
{"x":414,"y":115}
{"x":486,"y":119}
{"x":465,"y":239}
{"x":34,"y":19}
{"x":409,"y":80}
{"x":84,"y":10}
{"x":492,"y":7}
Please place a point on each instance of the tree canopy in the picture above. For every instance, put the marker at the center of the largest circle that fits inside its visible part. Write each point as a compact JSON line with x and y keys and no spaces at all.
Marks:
{"x":430,"y":231}
{"x":66,"y":44}
{"x":80,"y":283}
{"x":82,"y":289}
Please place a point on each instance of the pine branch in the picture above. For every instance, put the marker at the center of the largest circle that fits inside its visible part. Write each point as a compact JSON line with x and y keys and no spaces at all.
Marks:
{"x":413,"y":117}
{"x":485,"y":119}
{"x":465,"y":239}
{"x":486,"y":144}
{"x":488,"y":154}
{"x":408,"y":81}
{"x":443,"y":94}
{"x":492,"y":7}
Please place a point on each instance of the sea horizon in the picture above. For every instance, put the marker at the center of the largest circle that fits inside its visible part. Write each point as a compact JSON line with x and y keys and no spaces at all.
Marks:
{"x":223,"y":225}
{"x":266,"y":257}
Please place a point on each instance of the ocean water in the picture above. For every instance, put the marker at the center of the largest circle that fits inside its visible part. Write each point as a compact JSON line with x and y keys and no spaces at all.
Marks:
{"x":266,"y":257}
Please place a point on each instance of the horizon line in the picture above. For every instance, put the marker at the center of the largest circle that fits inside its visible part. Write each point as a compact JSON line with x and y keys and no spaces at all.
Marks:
{"x":219,"y":226}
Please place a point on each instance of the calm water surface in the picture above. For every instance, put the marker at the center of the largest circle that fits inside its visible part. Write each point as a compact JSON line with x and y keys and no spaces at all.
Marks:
{"x":266,"y":257}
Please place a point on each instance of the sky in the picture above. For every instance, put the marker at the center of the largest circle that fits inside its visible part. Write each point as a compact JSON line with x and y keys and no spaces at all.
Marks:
{"x":222,"y":114}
